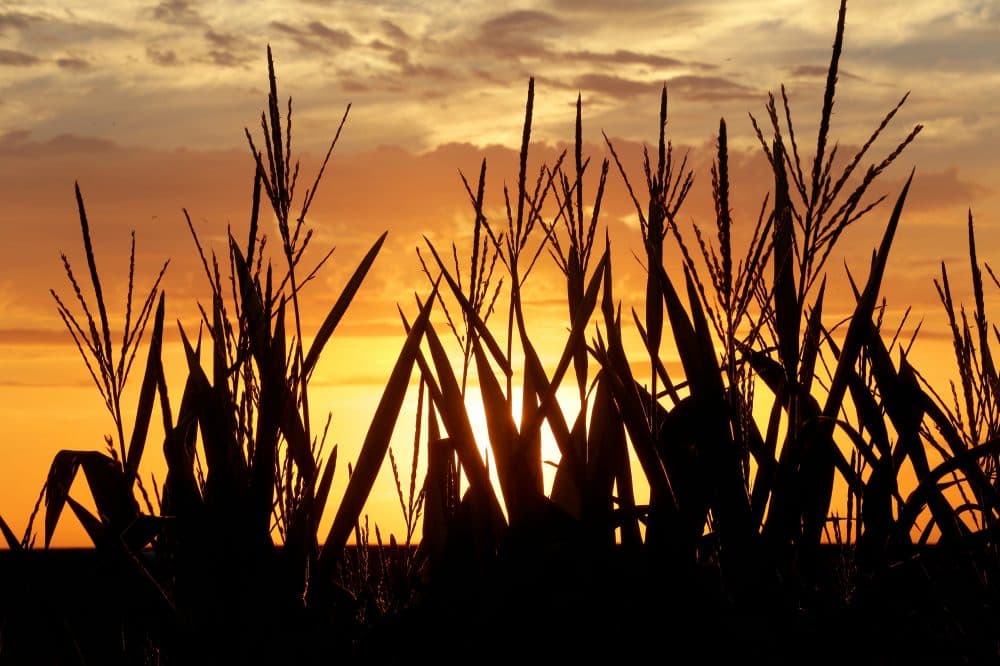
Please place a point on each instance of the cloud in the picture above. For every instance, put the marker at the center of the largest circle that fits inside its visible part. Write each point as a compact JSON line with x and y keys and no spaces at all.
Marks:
{"x":164,"y":58}
{"x":394,"y":32}
{"x":935,"y":190}
{"x":603,"y":5}
{"x":226,"y":49}
{"x":516,"y":34}
{"x":709,"y":88}
{"x":177,"y":12}
{"x":623,"y":57}
{"x":612,"y":86}
{"x":17,"y":58}
{"x":16,"y":21}
{"x":957,"y":41}
{"x":18,"y":143}
{"x":687,"y":87}
{"x":226,"y":58}
{"x":222,"y":40}
{"x":676,"y":14}
{"x":821,"y":71}
{"x":334,"y":37}
{"x":316,"y":36}
{"x":34,"y":336}
{"x":522,"y":20}
{"x":73,"y":64}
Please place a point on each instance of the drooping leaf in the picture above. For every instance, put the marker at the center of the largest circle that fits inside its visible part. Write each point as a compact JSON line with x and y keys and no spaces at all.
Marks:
{"x":547,"y":402}
{"x":181,"y":496}
{"x":515,"y":469}
{"x":630,"y":405}
{"x":862,"y":317}
{"x":254,"y":309}
{"x":226,"y":478}
{"x":323,"y":489}
{"x":105,"y":479}
{"x":340,"y":307}
{"x":147,"y":396}
{"x":826,"y":455}
{"x":474,"y":319}
{"x":928,"y":486}
{"x":459,"y":428}
{"x":12,"y":541}
{"x":91,"y":524}
{"x":376,"y":443}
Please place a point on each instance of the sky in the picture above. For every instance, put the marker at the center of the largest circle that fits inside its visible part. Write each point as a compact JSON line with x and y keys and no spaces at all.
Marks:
{"x":145,"y":105}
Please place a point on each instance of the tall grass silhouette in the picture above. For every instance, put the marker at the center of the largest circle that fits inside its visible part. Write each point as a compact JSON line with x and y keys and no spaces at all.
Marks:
{"x":739,"y":543}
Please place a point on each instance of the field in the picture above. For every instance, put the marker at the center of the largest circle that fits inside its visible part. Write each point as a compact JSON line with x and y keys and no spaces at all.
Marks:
{"x":745,"y":548}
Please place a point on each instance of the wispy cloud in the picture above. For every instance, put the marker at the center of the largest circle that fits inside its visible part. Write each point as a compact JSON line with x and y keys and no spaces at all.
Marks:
{"x":17,"y":58}
{"x":15,"y":21}
{"x":315,"y":36}
{"x":821,"y":71}
{"x":424,"y":74}
{"x":177,"y":12}
{"x":163,"y":58}
{"x":73,"y":63}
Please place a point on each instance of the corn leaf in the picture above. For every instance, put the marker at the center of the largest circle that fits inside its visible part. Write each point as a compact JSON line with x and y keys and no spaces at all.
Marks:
{"x":456,"y":422}
{"x":473,"y":316}
{"x":105,"y":479}
{"x":786,"y":308}
{"x":147,"y":395}
{"x":12,"y":541}
{"x":376,"y":443}
{"x":340,"y":307}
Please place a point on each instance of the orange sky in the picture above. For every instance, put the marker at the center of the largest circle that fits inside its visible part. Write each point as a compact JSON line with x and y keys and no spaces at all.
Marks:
{"x":146,"y":109}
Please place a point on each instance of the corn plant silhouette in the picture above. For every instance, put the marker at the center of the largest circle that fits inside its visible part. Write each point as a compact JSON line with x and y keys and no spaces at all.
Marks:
{"x":734,"y":542}
{"x":240,"y":455}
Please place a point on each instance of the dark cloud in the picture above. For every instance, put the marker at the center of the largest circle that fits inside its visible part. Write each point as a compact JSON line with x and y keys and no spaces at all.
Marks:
{"x":354,"y":86}
{"x":820,"y":71}
{"x":516,"y":33}
{"x":226,"y":49}
{"x":522,"y":20}
{"x":16,"y":21}
{"x":224,"y":58}
{"x":165,"y":58}
{"x":396,"y":54}
{"x":613,"y":86}
{"x":676,"y":13}
{"x":950,"y":43}
{"x":400,"y":57}
{"x":701,"y":88}
{"x":177,"y":12}
{"x":32,"y":336}
{"x":316,"y":36}
{"x":935,"y":190}
{"x":334,"y":37}
{"x":709,"y":88}
{"x":19,"y":143}
{"x":17,"y":58}
{"x":623,"y":57}
{"x":73,"y":64}
{"x":50,"y":31}
{"x":394,"y":32}
{"x":581,"y":5}
{"x":221,"y":40}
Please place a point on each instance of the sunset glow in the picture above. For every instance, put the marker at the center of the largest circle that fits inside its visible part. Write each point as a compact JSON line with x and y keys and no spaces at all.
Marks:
{"x":145,"y":107}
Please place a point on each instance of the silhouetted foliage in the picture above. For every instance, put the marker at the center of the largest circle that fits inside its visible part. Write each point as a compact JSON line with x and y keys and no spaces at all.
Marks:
{"x":738,"y":552}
